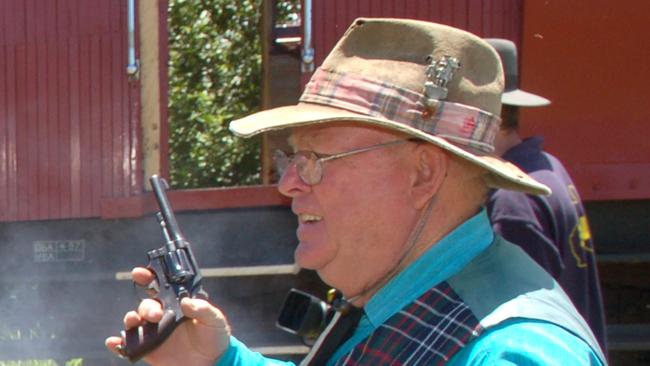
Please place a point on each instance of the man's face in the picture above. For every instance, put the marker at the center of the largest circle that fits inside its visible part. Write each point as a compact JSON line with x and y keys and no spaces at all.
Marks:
{"x":352,"y":226}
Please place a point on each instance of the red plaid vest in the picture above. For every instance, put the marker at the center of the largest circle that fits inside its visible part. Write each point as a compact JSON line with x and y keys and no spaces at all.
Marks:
{"x":429,"y":331}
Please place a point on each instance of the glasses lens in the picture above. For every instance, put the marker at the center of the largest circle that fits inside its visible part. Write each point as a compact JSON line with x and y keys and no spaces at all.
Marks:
{"x":307,"y":165}
{"x":282,"y":161}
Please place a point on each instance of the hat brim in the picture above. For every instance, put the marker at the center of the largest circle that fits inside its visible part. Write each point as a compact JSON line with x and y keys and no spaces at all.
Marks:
{"x":522,"y":98}
{"x":501,"y":174}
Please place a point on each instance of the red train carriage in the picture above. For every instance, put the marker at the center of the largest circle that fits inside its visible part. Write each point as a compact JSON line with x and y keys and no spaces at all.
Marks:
{"x":83,"y":124}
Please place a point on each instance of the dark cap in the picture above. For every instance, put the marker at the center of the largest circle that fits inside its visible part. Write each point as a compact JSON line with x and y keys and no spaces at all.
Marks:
{"x":512,"y":95}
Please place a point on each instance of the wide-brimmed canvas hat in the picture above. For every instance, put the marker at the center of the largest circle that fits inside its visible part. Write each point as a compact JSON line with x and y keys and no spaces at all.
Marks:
{"x":430,"y":81}
{"x":512,"y":95}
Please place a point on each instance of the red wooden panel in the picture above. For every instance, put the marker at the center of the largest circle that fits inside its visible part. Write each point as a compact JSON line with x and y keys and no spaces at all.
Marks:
{"x":4,"y":28}
{"x":12,"y":188}
{"x":39,"y":162}
{"x":446,"y":10}
{"x":84,"y":127}
{"x":28,"y":139}
{"x":593,"y":66}
{"x":362,"y":6}
{"x":196,"y":199}
{"x":75,"y":128}
{"x":422,"y":9}
{"x":105,"y":117}
{"x":69,"y":124}
{"x":95,"y":131}
{"x":475,"y":17}
{"x":330,"y":34}
{"x":116,"y":106}
{"x":494,"y":18}
{"x":12,"y":130}
{"x":4,"y":194}
{"x":459,"y":14}
{"x":64,"y":118}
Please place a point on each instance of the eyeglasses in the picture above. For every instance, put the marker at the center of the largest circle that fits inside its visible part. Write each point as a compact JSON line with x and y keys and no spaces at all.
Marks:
{"x":309,"y":164}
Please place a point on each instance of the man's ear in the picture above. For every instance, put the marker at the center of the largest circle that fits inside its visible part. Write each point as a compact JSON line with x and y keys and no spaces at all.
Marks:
{"x":430,"y":170}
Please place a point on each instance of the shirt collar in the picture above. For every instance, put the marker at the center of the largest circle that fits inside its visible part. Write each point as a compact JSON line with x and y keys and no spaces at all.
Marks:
{"x":443,"y":260}
{"x":520,"y":153}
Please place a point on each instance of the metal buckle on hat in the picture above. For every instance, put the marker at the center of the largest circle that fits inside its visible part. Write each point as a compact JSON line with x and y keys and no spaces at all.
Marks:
{"x":439,"y":73}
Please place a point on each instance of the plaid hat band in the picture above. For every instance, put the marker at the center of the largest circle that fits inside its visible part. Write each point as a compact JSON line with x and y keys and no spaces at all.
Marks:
{"x":462,"y":125}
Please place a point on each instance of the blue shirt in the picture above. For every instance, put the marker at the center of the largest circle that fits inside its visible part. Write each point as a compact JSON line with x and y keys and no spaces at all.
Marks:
{"x":516,"y":342}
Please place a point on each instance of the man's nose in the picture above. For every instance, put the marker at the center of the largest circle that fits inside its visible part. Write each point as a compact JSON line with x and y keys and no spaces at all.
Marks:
{"x":290,"y":184}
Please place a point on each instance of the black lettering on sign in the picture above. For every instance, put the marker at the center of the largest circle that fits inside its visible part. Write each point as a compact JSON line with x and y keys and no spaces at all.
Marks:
{"x":59,"y":250}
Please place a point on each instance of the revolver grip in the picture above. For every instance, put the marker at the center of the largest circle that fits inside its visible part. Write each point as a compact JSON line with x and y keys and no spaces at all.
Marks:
{"x":139,"y":341}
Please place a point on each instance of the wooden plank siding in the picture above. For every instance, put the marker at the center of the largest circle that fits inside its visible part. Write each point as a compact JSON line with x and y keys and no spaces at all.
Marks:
{"x":69,"y":133}
{"x":593,"y":66}
{"x":486,"y":18}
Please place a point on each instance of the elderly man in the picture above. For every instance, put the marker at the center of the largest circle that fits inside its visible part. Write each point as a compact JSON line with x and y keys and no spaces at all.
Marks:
{"x":389,"y":173}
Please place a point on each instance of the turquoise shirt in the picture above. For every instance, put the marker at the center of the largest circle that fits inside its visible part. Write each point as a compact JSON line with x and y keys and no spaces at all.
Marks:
{"x":519,"y":342}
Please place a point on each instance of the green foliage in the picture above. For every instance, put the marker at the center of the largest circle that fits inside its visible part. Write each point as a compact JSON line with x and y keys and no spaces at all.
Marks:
{"x":288,"y":12}
{"x":215,"y":77}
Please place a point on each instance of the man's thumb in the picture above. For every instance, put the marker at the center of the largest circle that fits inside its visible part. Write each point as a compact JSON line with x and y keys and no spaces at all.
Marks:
{"x":204,"y":313}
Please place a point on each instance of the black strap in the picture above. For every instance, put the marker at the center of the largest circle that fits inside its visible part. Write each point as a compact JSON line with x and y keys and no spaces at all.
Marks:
{"x":337,"y":332}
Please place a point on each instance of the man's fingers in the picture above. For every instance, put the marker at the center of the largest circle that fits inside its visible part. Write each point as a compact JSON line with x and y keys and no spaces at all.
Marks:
{"x":204,"y":312}
{"x":142,"y":276}
{"x":150,"y":310}
{"x":131,"y":320}
{"x":113,"y":344}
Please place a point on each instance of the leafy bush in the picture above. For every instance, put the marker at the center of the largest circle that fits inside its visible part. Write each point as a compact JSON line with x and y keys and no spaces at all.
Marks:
{"x":215,"y":76}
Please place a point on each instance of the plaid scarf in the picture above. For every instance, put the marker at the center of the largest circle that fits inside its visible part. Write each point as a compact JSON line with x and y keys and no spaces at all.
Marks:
{"x":429,"y":331}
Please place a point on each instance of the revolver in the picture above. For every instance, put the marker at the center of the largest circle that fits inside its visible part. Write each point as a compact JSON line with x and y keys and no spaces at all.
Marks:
{"x":177,"y":275}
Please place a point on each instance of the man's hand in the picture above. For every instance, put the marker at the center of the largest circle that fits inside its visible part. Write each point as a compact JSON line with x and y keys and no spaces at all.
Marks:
{"x":200,"y":340}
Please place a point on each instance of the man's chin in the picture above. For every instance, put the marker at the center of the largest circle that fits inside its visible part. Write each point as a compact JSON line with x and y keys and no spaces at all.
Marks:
{"x":307,"y":256}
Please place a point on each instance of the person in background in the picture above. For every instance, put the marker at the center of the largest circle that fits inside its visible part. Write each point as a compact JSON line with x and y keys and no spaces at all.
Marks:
{"x":553,"y":229}
{"x":391,"y":165}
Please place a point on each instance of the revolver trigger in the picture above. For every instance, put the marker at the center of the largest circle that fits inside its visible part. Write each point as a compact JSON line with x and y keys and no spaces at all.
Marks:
{"x":150,"y":290}
{"x":153,"y":286}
